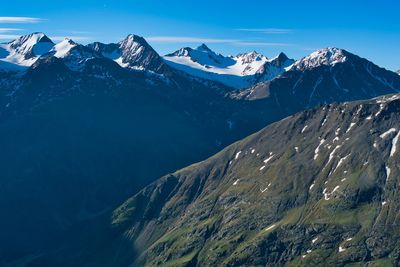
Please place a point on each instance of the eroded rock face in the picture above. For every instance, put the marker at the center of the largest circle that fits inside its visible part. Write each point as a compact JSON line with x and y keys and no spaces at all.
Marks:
{"x":319,"y":187}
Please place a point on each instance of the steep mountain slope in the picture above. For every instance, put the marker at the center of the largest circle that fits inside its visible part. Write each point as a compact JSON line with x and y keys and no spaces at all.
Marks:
{"x":320,"y":187}
{"x":327,"y":75}
{"x":240,"y":71}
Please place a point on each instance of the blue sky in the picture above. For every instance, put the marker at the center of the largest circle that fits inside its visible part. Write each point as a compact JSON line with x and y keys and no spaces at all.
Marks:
{"x":368,"y":28}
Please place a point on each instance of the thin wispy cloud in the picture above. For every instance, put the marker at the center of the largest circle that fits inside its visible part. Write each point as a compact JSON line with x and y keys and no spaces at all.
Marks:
{"x":79,"y":32}
{"x":183,"y":39}
{"x":8,"y":36}
{"x":74,"y":38}
{"x":9,"y":30}
{"x":267,"y":30}
{"x":20,"y":20}
{"x":309,"y":49}
{"x":260,"y":44}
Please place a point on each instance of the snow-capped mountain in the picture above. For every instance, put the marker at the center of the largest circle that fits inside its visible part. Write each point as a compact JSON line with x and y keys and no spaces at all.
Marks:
{"x":326,"y":75}
{"x":274,"y":67}
{"x":62,"y":49}
{"x":398,"y":72}
{"x":205,"y":59}
{"x":327,"y":56}
{"x":24,"y":51}
{"x":74,"y":55}
{"x":238,"y":71}
{"x":133,"y":52}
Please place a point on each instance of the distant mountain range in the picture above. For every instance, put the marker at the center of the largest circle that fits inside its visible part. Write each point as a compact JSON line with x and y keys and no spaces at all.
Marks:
{"x":325,"y":76}
{"x":83,"y":127}
{"x":240,"y":71}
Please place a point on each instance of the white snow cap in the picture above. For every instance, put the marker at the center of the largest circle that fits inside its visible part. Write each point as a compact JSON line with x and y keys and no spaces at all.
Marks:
{"x":62,"y":49}
{"x":236,"y":71}
{"x":25,"y":50}
{"x":38,"y":43}
{"x":250,"y":57}
{"x":132,"y":42}
{"x":326,"y":56}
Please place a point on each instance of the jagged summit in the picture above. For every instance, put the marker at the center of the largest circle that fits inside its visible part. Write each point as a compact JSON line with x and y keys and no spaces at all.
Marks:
{"x":25,"y":43}
{"x":138,"y":54}
{"x":132,"y":41}
{"x":62,"y":49}
{"x":325,"y":56}
{"x":132,"y":52}
{"x":73,"y":54}
{"x":204,"y":47}
{"x":182,"y":52}
{"x":251,"y":57}
{"x":281,"y":59}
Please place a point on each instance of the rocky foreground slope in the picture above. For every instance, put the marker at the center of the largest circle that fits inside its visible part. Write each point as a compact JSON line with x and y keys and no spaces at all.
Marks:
{"x":320,"y":187}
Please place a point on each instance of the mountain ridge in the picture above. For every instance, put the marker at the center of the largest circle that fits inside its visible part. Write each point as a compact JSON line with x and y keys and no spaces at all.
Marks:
{"x":243,"y":70}
{"x":237,"y":71}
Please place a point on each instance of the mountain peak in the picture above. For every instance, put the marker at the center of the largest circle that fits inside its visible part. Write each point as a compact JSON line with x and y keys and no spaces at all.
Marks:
{"x":69,"y":41}
{"x":182,"y":52}
{"x":132,"y":52}
{"x":325,"y":56}
{"x":136,"y":53}
{"x":62,"y":48}
{"x":133,"y":39}
{"x":134,"y":44}
{"x":251,"y":57}
{"x":282,"y":56}
{"x":204,"y":48}
{"x":25,"y":50}
{"x":282,"y":60}
{"x":30,"y":39}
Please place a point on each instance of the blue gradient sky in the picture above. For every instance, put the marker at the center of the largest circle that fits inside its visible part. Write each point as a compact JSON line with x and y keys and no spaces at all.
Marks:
{"x":368,"y":28}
